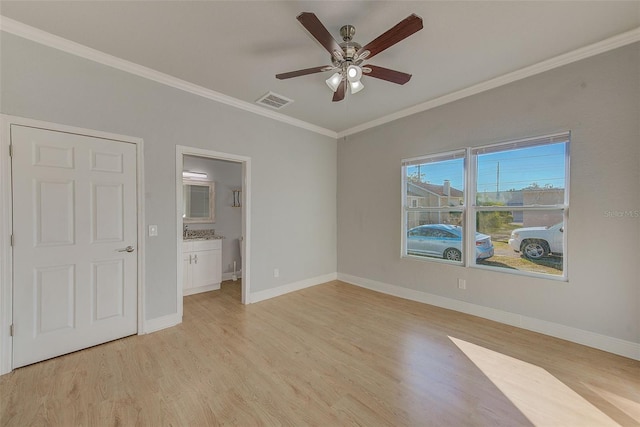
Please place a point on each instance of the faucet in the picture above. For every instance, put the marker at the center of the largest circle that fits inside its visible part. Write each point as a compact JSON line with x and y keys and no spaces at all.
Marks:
{"x":185,"y":229}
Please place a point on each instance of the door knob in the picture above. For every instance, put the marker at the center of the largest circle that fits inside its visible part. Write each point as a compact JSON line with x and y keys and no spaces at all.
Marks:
{"x":127,"y":249}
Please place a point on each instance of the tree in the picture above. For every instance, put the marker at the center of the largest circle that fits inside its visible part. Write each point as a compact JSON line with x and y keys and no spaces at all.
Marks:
{"x":536,"y":186}
{"x":415,"y":177}
{"x":492,"y":221}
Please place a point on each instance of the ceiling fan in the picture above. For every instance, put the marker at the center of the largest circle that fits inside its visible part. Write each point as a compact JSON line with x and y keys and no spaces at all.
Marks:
{"x":347,"y":57}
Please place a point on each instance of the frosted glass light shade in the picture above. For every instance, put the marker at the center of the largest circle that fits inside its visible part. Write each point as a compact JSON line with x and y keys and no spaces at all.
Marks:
{"x":356,"y":87}
{"x":354,"y":73}
{"x":334,"y":81}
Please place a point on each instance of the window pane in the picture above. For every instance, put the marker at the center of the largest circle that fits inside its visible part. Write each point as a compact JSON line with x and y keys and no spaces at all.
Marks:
{"x":435,"y":240}
{"x":532,"y":176}
{"x":524,"y":240}
{"x":435,"y":183}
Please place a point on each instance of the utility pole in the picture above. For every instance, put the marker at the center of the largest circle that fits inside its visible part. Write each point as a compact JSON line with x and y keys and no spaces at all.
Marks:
{"x":498,"y":182}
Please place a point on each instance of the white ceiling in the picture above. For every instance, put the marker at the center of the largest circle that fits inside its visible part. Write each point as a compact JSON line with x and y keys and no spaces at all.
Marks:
{"x":237,"y":47}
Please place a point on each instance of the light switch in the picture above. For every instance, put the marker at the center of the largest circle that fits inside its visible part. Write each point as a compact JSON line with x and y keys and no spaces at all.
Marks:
{"x":153,"y":230}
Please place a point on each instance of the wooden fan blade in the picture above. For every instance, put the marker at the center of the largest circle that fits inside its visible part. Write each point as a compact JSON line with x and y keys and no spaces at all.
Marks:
{"x":392,"y":76}
{"x":304,"y":72}
{"x":339,"y":94}
{"x":311,"y":22}
{"x":399,"y":32}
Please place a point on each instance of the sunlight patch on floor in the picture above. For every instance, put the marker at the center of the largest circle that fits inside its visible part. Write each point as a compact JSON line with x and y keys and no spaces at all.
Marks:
{"x":541,"y":397}
{"x":628,"y":406}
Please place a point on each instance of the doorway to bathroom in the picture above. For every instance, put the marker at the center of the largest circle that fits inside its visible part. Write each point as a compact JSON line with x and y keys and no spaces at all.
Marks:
{"x":213,"y":198}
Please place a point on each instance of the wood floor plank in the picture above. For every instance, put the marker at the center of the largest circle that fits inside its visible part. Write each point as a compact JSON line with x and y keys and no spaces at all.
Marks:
{"x":330,"y":355}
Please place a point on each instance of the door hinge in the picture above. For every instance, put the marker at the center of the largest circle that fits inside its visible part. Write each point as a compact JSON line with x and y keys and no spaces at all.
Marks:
{"x":11,"y":330}
{"x":10,"y":150}
{"x":11,"y":240}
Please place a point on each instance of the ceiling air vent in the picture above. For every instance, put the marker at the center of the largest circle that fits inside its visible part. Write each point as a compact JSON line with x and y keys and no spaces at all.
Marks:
{"x":273,"y":100}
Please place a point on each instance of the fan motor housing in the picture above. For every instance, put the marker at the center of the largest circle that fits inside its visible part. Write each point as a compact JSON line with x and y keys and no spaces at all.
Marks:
{"x":347,"y":32}
{"x":349,"y":48}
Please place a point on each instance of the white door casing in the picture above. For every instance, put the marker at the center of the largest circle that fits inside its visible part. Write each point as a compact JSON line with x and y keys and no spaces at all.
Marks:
{"x":186,"y":272}
{"x":74,"y":213}
{"x":182,"y":262}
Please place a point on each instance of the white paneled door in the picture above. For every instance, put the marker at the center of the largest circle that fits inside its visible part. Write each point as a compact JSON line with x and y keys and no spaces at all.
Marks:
{"x":75,"y":240}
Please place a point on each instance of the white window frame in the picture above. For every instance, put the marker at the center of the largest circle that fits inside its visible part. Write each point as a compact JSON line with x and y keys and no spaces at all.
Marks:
{"x":473,"y":209}
{"x":450,"y":155}
{"x":469,"y":209}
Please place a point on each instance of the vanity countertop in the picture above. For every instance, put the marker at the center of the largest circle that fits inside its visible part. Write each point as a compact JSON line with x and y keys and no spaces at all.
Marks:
{"x":207,"y":234}
{"x":192,"y":238}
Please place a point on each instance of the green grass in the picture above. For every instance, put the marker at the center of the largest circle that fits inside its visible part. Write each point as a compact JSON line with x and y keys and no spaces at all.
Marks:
{"x":515,"y":261}
{"x":506,"y":258}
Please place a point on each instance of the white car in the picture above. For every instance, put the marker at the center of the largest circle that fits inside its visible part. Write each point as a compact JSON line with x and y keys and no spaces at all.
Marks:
{"x":537,"y":242}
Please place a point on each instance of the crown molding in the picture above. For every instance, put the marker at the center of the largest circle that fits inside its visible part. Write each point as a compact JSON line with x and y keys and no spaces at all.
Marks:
{"x":17,"y":28}
{"x":42,"y":37}
{"x":606,"y":45}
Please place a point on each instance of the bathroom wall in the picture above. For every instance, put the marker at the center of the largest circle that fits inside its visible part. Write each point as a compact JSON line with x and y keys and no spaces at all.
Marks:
{"x":228,"y":219}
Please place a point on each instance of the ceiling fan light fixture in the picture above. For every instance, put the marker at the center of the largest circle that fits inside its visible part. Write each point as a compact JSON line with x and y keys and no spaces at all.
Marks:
{"x":348,"y":55}
{"x":334,"y":81}
{"x":356,"y":87}
{"x":354,"y":73}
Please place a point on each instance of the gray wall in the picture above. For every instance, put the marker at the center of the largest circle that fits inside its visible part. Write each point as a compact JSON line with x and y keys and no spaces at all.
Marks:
{"x":46,"y":84}
{"x":598,"y":99}
{"x":294,"y":179}
{"x":228,"y":219}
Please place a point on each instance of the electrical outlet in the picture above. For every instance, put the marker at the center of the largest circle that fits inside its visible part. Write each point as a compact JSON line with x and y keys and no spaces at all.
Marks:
{"x":153,"y":230}
{"x":462,"y":284}
{"x":276,"y":272}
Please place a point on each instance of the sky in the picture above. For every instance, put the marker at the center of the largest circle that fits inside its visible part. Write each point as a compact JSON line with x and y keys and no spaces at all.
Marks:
{"x":519,"y":168}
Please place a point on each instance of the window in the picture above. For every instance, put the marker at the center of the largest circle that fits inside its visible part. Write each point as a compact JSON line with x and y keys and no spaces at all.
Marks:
{"x":521,"y":201}
{"x":434,"y":204}
{"x":516,"y":206}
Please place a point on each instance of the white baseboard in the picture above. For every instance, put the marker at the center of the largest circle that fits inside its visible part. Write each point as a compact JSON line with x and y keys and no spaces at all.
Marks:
{"x":291,"y":287}
{"x":207,"y":288}
{"x":229,"y":276}
{"x":159,"y":323}
{"x":602,"y":342}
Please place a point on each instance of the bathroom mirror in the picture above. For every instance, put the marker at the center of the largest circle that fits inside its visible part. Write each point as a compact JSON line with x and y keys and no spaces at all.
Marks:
{"x":198,"y":201}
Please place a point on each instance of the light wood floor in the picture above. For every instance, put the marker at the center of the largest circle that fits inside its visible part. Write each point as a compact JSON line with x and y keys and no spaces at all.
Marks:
{"x":330,"y":355}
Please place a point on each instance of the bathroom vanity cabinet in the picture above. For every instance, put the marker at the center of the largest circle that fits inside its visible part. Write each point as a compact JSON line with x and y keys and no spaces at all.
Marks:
{"x":202,"y":266}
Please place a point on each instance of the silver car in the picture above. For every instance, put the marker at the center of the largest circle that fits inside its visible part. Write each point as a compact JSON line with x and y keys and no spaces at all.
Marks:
{"x":444,"y":241}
